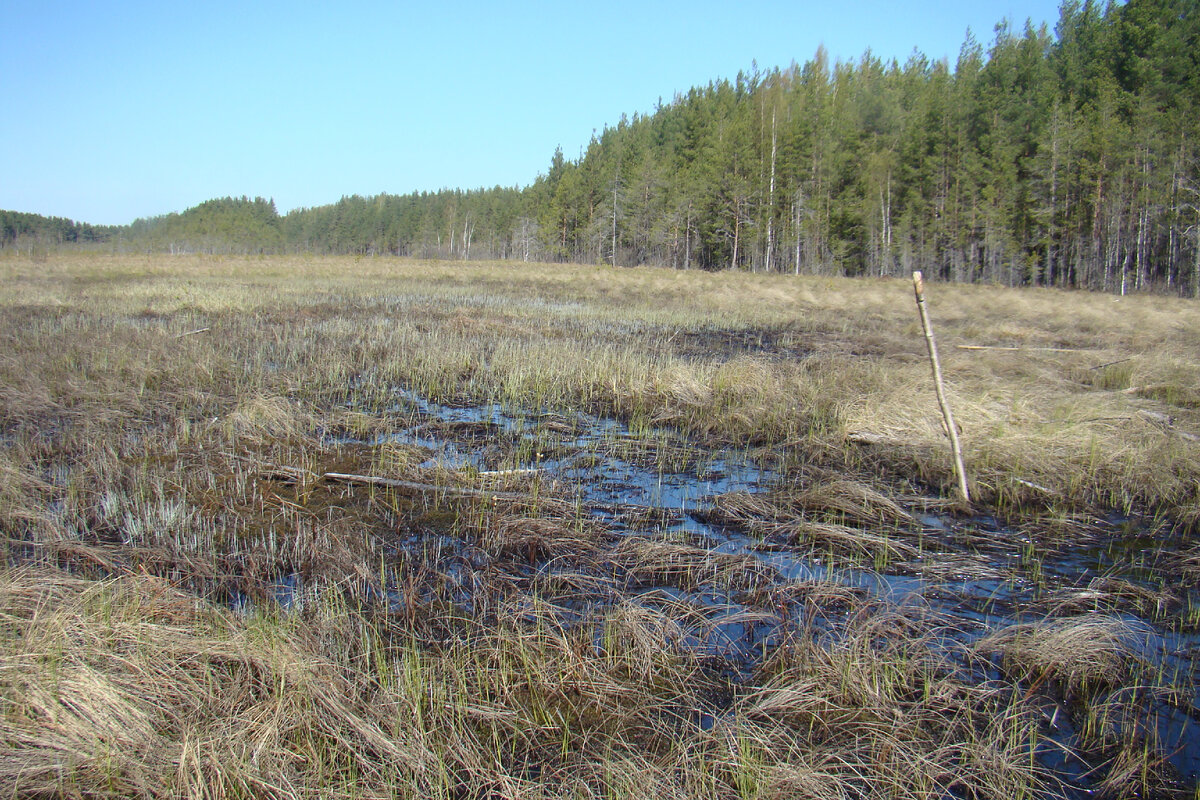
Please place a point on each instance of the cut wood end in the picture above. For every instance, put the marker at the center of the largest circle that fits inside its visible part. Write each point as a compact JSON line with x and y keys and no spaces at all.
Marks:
{"x":869,"y":437}
{"x":1037,"y":487}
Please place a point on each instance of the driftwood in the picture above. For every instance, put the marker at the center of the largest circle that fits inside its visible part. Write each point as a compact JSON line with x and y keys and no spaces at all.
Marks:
{"x":506,"y":473}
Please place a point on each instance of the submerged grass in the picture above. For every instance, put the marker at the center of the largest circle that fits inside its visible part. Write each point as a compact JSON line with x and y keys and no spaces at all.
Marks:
{"x":189,"y":610}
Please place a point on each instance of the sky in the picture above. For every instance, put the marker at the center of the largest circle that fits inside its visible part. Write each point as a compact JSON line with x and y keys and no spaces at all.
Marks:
{"x":110,"y":111}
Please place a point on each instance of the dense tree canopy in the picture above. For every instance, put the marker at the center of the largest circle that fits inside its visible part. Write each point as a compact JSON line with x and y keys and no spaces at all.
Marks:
{"x":1067,"y":159}
{"x":19,"y":230}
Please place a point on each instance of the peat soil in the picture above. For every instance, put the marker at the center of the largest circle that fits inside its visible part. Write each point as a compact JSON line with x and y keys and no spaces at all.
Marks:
{"x":791,"y":531}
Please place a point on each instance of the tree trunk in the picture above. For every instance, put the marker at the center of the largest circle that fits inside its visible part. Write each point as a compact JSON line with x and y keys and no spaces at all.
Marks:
{"x":771,"y":202}
{"x":737,"y":230}
{"x":687,"y":240}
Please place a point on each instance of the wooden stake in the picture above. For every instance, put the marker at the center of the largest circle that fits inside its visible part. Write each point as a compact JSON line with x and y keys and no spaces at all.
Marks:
{"x":959,"y":470}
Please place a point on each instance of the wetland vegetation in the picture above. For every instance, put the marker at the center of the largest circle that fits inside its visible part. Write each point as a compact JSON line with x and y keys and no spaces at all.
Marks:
{"x":606,"y":533}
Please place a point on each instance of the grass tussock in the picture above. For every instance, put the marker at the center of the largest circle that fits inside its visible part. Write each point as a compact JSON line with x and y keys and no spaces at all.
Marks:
{"x":843,"y":698}
{"x":835,"y":517}
{"x":134,"y":688}
{"x":1079,"y":654}
{"x":657,"y":562}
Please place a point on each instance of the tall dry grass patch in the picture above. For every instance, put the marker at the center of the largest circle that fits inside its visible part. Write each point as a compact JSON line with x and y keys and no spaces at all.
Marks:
{"x":132,"y":688}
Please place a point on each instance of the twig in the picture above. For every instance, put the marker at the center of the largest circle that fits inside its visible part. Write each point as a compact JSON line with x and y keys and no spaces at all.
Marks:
{"x":959,"y":470}
{"x":1112,"y":363}
{"x":1023,"y":349}
{"x":191,"y":333}
{"x":1166,"y":424}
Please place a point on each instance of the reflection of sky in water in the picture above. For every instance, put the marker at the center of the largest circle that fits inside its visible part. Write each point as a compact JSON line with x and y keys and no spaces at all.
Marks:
{"x":590,"y":459}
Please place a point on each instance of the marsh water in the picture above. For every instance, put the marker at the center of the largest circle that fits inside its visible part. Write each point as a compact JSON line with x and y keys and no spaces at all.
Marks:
{"x":971,"y":574}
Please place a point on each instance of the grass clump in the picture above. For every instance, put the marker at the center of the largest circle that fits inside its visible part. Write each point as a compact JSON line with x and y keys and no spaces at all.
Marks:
{"x":1078,"y":654}
{"x":883,"y":717}
{"x":130,"y":687}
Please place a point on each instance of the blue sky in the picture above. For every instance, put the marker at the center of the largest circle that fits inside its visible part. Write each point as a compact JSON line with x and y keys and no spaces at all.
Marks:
{"x":112,"y":111}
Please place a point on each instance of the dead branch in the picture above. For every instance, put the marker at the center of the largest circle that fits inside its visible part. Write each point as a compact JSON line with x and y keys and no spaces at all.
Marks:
{"x":297,"y":474}
{"x":1166,"y":424}
{"x":454,"y":491}
{"x":1024,"y":349}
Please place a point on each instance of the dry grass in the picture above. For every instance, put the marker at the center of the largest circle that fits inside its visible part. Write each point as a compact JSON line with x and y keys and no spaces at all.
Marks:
{"x":1080,"y":654}
{"x":766,"y":359}
{"x":133,"y":688}
{"x":129,"y":687}
{"x":844,"y":698}
{"x":1110,"y":595}
{"x":668,"y":563}
{"x":1191,"y":563}
{"x":152,"y":477}
{"x":812,"y":519}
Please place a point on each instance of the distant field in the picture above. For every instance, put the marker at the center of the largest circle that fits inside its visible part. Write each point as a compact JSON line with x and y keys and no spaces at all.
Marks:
{"x":369,"y":527}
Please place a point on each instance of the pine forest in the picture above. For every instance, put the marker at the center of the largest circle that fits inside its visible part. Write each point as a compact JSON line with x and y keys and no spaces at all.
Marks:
{"x":1052,"y":158}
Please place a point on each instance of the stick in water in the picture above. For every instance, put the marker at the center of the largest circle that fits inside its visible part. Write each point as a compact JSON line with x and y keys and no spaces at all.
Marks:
{"x":959,"y":470}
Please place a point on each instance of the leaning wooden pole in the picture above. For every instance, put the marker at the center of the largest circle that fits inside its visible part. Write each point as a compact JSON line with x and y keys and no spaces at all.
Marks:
{"x":959,"y":470}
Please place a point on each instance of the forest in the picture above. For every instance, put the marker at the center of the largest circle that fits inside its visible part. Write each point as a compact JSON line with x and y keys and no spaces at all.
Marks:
{"x":1065,"y":158}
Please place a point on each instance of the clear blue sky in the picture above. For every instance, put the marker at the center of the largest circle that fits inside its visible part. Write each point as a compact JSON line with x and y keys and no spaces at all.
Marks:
{"x":112,"y":111}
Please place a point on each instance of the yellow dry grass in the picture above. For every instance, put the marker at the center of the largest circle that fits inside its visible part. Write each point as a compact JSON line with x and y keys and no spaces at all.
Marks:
{"x":149,"y":405}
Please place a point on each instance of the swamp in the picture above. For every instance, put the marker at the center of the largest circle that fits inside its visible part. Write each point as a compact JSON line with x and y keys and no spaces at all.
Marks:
{"x":375,"y":527}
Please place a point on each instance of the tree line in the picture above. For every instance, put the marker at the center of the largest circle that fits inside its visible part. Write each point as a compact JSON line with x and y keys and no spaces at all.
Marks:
{"x":1064,"y":159}
{"x":21,"y":230}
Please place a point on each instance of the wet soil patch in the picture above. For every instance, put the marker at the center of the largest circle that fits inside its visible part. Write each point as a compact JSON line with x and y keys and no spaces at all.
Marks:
{"x":783,"y":342}
{"x":723,"y":344}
